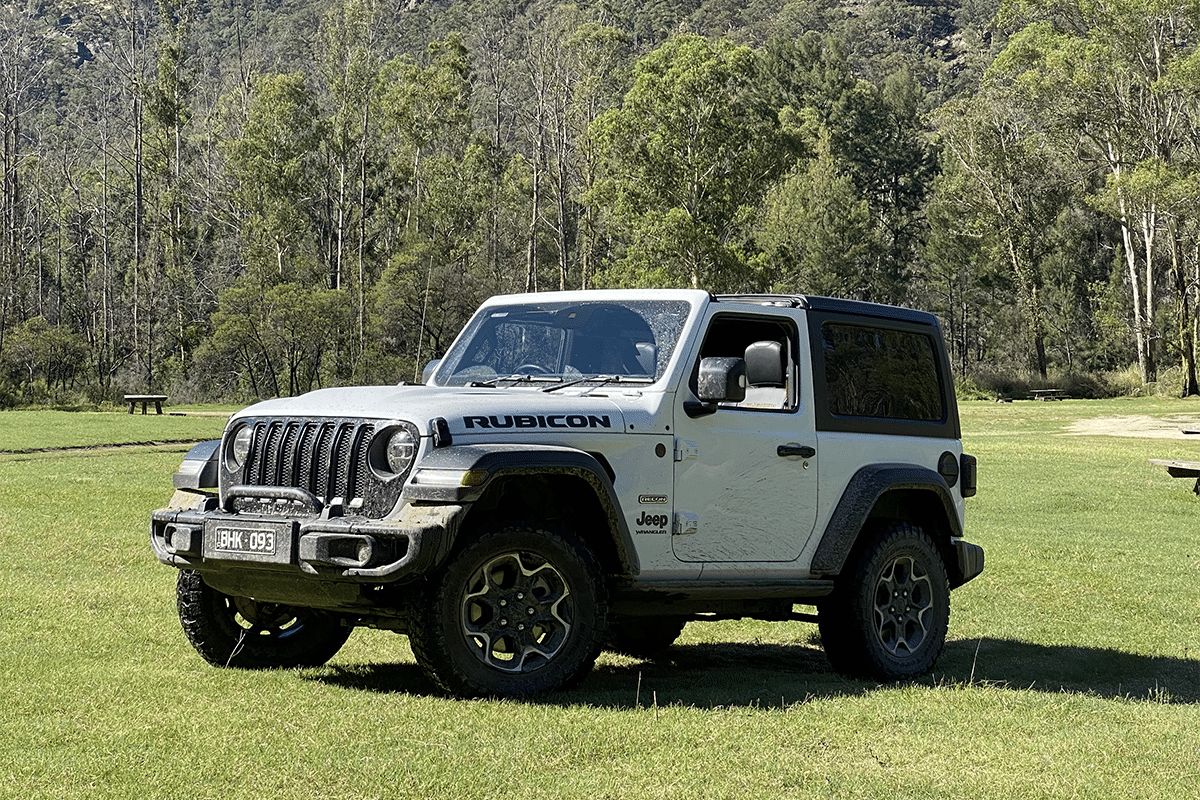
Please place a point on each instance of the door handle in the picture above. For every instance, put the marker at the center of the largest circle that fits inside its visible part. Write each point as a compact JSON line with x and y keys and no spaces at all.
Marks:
{"x":793,"y":449}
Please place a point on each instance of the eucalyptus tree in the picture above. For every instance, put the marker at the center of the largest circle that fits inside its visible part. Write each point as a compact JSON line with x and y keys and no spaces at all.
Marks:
{"x":351,"y":71}
{"x":440,"y":173}
{"x":863,"y":156}
{"x":1001,"y":171}
{"x":274,"y":340}
{"x":39,"y":354}
{"x":1114,"y":82}
{"x":549,"y":78}
{"x":274,"y":162}
{"x":817,"y":232}
{"x":425,"y":113}
{"x":1173,"y":192}
{"x":24,"y":58}
{"x":542,"y":68}
{"x":572,"y":70}
{"x":686,"y":160}
{"x":961,"y":257}
{"x":176,"y":225}
{"x":494,"y":42}
{"x":600,"y":57}
{"x":131,"y":56}
{"x":97,"y":130}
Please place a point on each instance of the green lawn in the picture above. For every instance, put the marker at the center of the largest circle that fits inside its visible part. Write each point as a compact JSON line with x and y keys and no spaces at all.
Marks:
{"x":25,"y":431}
{"x":1073,"y":668}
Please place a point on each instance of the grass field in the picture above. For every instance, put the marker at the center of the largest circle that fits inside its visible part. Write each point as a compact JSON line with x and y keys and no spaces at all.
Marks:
{"x":1073,"y":669}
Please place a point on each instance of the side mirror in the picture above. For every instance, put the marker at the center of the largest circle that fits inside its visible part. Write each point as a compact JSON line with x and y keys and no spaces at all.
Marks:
{"x":430,"y":368}
{"x":721,"y":380}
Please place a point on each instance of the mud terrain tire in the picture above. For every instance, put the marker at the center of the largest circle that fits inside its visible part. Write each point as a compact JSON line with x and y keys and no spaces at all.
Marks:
{"x":519,"y":611}
{"x":248,"y":634}
{"x":888,"y":615}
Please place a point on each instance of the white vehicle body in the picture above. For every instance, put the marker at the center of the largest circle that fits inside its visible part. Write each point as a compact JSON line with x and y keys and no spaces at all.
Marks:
{"x":597,"y":411}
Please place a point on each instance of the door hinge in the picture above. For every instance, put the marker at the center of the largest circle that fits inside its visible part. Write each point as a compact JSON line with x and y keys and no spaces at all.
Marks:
{"x":685,"y":450}
{"x":685,"y":523}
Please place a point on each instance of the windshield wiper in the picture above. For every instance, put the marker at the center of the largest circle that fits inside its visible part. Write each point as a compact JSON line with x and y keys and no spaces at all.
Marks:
{"x":601,"y":380}
{"x":491,"y":382}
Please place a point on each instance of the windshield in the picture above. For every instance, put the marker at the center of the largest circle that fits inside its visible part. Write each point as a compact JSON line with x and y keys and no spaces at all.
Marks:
{"x":559,"y":342}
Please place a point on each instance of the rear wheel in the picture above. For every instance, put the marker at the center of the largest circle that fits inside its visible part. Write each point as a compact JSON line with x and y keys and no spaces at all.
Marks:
{"x":242,"y":632}
{"x":521,"y":610}
{"x":890,"y":610}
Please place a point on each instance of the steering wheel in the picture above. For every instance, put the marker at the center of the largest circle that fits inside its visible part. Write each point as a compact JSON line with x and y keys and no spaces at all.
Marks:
{"x":535,"y":368}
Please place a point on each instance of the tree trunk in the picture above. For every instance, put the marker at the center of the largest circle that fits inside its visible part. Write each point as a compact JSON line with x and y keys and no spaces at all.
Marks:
{"x":535,"y":213}
{"x":1149,"y":226}
{"x":1145,"y":366}
{"x":362,"y":228}
{"x":1029,"y":297}
{"x":1187,"y":347}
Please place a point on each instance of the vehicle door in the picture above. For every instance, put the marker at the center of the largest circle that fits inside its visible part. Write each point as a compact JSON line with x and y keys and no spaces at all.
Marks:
{"x":746,"y":473}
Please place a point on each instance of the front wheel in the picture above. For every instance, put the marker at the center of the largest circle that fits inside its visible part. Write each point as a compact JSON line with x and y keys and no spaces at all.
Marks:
{"x":890,"y":610}
{"x":242,"y":632}
{"x":521,"y":610}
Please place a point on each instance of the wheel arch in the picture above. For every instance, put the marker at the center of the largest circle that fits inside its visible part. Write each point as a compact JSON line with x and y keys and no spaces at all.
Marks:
{"x":519,"y":482}
{"x":880,"y":494}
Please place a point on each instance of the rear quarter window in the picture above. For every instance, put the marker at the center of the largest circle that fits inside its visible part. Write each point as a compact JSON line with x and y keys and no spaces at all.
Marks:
{"x":881,"y":373}
{"x":878,"y":375}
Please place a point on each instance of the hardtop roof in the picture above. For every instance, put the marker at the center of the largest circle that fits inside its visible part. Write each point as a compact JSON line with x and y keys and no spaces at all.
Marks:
{"x":832,"y":304}
{"x":835,"y":305}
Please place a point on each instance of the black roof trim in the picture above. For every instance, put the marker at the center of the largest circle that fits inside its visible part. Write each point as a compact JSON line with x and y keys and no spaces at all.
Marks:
{"x":779,"y":300}
{"x":834,"y":305}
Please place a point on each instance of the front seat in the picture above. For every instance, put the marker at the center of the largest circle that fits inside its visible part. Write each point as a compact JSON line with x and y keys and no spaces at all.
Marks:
{"x":766,"y":383}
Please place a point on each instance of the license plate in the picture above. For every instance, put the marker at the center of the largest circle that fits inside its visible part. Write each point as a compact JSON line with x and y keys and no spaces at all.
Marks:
{"x":243,"y":540}
{"x":249,"y":540}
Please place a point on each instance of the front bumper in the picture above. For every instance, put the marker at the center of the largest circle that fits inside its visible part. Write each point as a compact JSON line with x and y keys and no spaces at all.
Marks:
{"x":336,"y":549}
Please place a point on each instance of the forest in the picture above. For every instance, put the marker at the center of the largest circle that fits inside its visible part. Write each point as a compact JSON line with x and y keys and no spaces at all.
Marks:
{"x":238,"y":199}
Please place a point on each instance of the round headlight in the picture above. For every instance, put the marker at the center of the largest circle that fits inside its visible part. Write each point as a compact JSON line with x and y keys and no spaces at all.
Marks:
{"x":239,"y":448}
{"x":401,"y":450}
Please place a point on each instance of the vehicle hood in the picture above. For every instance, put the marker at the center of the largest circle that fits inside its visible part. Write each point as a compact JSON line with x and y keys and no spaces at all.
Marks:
{"x":469,"y":411}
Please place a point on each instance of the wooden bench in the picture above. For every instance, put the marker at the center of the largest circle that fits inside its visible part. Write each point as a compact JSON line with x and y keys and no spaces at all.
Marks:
{"x":145,"y":399}
{"x":1180,"y":469}
{"x":1048,"y":394}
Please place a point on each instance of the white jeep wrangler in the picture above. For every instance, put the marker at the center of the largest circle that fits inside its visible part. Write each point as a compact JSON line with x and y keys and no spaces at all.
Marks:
{"x":591,"y":469}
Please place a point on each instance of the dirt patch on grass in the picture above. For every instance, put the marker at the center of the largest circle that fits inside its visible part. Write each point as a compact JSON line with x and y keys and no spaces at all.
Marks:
{"x":97,"y":448}
{"x":1182,"y":426}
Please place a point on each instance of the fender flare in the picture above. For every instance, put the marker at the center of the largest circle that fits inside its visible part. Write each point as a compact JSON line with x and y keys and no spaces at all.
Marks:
{"x":494,"y":461}
{"x":200,"y":469}
{"x":868,"y":486}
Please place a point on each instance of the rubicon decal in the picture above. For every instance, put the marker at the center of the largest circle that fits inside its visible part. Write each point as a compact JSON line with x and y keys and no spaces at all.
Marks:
{"x":495,"y":422}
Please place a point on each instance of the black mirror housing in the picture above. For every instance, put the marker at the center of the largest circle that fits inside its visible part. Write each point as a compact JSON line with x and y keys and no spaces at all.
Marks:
{"x":721,"y":380}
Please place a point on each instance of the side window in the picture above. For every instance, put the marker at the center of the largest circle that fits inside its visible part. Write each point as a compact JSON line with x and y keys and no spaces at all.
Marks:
{"x":882,"y":373}
{"x":769,"y":347}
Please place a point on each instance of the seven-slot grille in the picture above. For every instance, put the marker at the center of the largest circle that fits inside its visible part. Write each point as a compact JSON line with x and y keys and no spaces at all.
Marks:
{"x":326,"y":458}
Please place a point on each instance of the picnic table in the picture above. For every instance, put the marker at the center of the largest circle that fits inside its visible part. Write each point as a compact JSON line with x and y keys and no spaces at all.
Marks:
{"x":145,"y":399}
{"x":1048,"y":394}
{"x":1180,"y":469}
